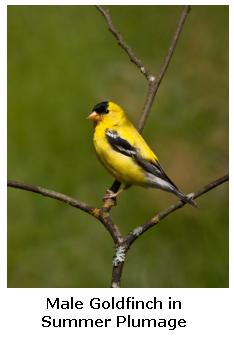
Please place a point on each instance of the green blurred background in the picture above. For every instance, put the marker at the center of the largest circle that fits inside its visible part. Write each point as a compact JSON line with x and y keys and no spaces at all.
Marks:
{"x":61,"y":61}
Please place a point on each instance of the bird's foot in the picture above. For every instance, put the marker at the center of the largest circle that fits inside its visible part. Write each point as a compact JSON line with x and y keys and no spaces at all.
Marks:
{"x":110,"y":195}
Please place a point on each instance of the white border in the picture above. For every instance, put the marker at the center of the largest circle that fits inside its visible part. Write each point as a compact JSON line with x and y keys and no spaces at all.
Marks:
{"x":231,"y":142}
{"x":119,"y":2}
{"x":3,"y":146}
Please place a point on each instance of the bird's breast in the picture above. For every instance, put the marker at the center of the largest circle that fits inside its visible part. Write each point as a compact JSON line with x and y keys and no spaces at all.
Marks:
{"x":120,"y":166}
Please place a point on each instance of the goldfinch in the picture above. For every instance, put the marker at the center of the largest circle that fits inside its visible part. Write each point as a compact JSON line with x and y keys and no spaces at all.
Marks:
{"x":125,"y":154}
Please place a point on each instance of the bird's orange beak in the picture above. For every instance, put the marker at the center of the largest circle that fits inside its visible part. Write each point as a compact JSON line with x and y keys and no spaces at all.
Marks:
{"x":94,"y":116}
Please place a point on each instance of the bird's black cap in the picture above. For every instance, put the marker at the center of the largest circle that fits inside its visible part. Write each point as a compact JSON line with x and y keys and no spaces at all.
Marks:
{"x":101,"y":108}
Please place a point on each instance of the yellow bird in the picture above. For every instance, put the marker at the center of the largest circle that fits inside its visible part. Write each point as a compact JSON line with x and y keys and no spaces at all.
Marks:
{"x":125,"y":154}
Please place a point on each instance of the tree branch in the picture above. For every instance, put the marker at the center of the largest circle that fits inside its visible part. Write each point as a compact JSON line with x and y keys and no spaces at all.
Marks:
{"x":52,"y":194}
{"x":120,"y":40}
{"x":135,"y":233}
{"x":99,"y":213}
{"x":155,"y":81}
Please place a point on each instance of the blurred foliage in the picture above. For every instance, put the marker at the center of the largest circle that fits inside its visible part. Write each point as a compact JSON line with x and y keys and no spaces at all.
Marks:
{"x":61,"y":61}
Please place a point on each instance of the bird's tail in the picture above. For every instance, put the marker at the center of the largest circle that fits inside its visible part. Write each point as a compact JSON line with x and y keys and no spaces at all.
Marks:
{"x":186,"y":198}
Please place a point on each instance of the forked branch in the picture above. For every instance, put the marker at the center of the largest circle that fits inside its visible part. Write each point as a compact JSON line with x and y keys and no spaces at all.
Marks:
{"x":122,"y":243}
{"x":154,"y":80}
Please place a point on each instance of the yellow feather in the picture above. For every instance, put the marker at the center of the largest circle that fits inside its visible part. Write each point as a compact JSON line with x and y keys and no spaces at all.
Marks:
{"x":120,"y":166}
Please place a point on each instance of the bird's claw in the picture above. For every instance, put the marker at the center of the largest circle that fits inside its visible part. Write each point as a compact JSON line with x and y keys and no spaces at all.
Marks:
{"x":110,"y":195}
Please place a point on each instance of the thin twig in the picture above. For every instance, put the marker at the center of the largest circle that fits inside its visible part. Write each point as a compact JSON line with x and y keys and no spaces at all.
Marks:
{"x":52,"y":194}
{"x":135,"y":233}
{"x":117,"y":275}
{"x":154,"y":82}
{"x":99,"y":213}
{"x":122,"y":42}
{"x":110,"y":226}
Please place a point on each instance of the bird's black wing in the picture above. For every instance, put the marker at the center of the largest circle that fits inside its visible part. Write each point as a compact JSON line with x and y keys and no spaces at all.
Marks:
{"x":154,"y":168}
{"x":121,"y":145}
